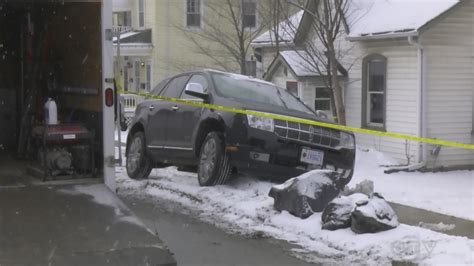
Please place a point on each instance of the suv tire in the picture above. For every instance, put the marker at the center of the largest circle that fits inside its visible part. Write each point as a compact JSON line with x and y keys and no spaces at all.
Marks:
{"x":214,"y":162}
{"x":138,"y":164}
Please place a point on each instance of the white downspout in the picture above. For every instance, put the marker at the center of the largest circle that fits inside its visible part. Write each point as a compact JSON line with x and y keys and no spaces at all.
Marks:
{"x":422,"y":131}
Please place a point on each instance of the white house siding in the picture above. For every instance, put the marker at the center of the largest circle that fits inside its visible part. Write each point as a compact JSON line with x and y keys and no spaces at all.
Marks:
{"x":268,"y":55}
{"x":279,"y":78}
{"x":306,"y":85}
{"x":450,"y":83}
{"x":402,"y":111}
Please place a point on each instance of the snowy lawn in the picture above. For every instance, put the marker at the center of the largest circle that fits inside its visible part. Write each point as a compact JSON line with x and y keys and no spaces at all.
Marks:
{"x":449,"y":193}
{"x":243,"y":206}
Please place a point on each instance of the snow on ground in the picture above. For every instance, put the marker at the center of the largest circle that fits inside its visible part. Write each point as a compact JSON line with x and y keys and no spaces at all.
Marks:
{"x":449,"y":193}
{"x":243,"y":206}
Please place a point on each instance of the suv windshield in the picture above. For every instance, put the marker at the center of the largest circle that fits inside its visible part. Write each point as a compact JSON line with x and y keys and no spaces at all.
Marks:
{"x":241,"y":88}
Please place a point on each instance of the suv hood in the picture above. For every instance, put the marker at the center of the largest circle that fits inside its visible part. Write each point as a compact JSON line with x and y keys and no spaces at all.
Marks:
{"x":267,"y":108}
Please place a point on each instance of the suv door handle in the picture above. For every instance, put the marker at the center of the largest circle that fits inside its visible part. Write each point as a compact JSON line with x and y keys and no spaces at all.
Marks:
{"x":175,"y":108}
{"x":151,"y":107}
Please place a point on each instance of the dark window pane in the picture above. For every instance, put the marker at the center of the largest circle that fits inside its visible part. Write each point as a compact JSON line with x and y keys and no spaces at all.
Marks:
{"x":376,"y":108}
{"x":194,"y":20}
{"x":249,"y":13}
{"x":250,"y":21}
{"x":323,"y":93}
{"x":251,"y":68}
{"x":141,"y":13}
{"x":193,"y":6}
{"x":148,"y":77}
{"x":292,"y":87}
{"x":376,"y":75}
{"x":323,"y":105}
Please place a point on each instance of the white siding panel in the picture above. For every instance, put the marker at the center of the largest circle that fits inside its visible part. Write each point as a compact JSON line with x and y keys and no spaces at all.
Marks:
{"x":450,"y":83}
{"x":402,"y":97}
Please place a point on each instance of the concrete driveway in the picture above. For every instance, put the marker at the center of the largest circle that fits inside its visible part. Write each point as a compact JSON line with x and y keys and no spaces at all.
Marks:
{"x":73,"y":225}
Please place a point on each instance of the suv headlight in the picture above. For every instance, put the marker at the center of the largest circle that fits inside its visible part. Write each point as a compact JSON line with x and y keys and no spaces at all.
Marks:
{"x":259,"y":122}
{"x":347,"y":141}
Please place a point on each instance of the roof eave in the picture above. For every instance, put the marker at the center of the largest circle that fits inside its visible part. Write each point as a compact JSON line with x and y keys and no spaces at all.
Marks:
{"x":383,"y":36}
{"x":270,"y":44}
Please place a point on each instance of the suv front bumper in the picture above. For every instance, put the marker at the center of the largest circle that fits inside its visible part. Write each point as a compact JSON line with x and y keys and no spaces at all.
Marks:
{"x":264,"y":154}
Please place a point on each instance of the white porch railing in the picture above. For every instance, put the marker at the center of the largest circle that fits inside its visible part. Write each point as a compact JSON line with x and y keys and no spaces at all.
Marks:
{"x":130,"y":103}
{"x":121,"y":28}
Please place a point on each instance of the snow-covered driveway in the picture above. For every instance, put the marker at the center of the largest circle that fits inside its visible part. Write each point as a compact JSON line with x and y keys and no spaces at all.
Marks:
{"x":243,"y":206}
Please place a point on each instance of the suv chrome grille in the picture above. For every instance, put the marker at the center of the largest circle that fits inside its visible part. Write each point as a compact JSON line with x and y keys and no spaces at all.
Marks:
{"x":310,"y":134}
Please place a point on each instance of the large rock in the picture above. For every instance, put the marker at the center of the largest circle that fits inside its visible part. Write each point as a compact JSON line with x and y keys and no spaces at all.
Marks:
{"x":373,"y":215}
{"x":365,"y":187}
{"x":338,"y":212}
{"x":307,"y":193}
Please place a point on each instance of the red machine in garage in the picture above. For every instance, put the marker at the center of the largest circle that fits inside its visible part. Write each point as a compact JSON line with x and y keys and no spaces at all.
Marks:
{"x":65,"y":149}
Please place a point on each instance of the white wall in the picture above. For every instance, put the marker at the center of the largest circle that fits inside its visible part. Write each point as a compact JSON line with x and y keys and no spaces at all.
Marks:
{"x":401,"y":96}
{"x":450,"y":83}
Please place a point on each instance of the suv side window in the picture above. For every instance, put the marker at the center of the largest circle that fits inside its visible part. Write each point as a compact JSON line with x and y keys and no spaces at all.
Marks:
{"x":196,"y":78}
{"x":174,"y":87}
{"x":159,"y":87}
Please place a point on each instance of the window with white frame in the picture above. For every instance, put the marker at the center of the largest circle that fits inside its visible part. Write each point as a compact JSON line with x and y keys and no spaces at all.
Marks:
{"x":249,"y":13}
{"x":148,"y":76}
{"x":322,"y":100}
{"x":193,"y":13}
{"x":292,"y":87}
{"x":122,"y":19}
{"x":141,"y":13}
{"x":125,"y":78}
{"x":374,"y":88}
{"x":137,"y":75}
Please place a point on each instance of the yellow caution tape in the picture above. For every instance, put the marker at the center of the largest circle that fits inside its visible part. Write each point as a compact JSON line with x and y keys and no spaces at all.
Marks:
{"x":306,"y":121}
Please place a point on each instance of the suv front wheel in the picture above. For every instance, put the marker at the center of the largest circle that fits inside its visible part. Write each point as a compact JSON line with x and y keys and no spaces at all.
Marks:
{"x":138,"y":164}
{"x":214,"y":162}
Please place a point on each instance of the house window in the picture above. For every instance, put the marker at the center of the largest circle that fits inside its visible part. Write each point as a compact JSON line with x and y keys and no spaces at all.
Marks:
{"x":323,"y":99}
{"x":251,"y":68}
{"x":141,"y":13}
{"x":122,"y":19}
{"x":374,"y":88}
{"x":292,"y":87}
{"x":193,"y":13}
{"x":148,"y":77}
{"x":125,"y":78}
{"x":137,"y":75}
{"x":249,"y":13}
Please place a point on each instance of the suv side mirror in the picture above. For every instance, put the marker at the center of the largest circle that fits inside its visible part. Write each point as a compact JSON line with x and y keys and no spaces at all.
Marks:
{"x":196,"y":90}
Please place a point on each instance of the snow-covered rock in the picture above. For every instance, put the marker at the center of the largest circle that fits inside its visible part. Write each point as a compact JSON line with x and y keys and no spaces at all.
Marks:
{"x":365,"y":187}
{"x":338,"y":212}
{"x":307,"y":193}
{"x":373,"y":215}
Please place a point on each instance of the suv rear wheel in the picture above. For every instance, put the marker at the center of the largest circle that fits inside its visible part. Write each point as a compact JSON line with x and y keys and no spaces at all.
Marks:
{"x":214,"y":163}
{"x":138,"y":164}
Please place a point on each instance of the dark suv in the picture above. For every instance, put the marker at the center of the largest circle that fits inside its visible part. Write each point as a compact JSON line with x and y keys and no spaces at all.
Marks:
{"x":216,"y":143}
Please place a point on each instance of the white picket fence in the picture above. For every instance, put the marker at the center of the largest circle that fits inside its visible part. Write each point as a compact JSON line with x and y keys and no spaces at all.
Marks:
{"x":130,"y":103}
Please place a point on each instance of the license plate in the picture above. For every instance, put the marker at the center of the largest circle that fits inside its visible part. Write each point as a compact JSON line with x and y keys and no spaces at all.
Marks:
{"x":313,"y":157}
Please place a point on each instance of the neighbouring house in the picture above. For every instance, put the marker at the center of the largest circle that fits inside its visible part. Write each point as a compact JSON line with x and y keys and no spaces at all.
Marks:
{"x":410,"y":70}
{"x":290,"y":70}
{"x":134,"y":67}
{"x":156,"y":38}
